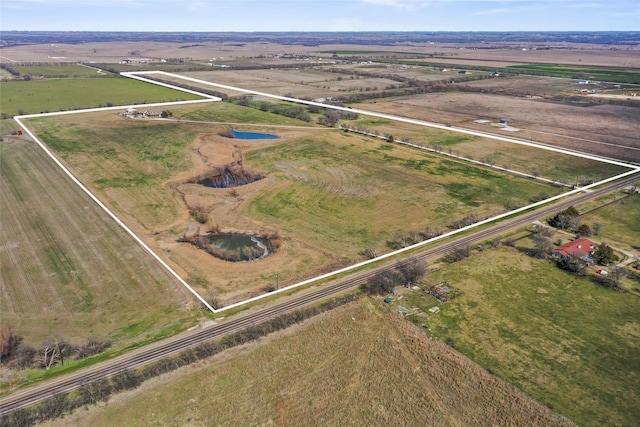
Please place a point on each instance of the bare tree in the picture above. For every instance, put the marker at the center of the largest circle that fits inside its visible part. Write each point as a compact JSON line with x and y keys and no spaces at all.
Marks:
{"x":616,"y":275}
{"x":369,"y":253}
{"x":543,"y":246}
{"x":411,"y":270}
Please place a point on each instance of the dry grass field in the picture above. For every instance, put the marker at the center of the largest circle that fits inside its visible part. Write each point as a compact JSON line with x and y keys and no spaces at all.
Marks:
{"x":327,"y":192}
{"x":504,"y":55}
{"x":592,"y":128}
{"x":67,"y":268}
{"x":357,"y":365}
{"x":560,"y":338}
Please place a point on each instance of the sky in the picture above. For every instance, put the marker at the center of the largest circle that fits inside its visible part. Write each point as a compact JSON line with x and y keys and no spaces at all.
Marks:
{"x":320,"y":15}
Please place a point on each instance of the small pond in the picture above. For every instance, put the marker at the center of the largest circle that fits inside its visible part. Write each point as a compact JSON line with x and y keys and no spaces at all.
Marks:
{"x":239,"y":247}
{"x":252,"y":135}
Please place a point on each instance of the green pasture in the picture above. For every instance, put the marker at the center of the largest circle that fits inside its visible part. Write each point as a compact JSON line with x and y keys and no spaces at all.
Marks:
{"x":562,"y":168}
{"x":345,"y":192}
{"x":617,"y":75}
{"x":565,"y":341}
{"x":133,"y":159}
{"x":40,"y":96}
{"x":225,"y":112}
{"x":619,"y":217}
{"x":60,"y":71}
{"x":340,"y":192}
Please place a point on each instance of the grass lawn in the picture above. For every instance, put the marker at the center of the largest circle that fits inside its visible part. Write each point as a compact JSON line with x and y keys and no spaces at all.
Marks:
{"x":353,"y":366}
{"x":560,"y":338}
{"x":620,"y":219}
{"x":38,"y":96}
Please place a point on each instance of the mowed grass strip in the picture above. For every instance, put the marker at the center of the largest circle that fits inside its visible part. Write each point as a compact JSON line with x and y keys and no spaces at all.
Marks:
{"x":562,"y":339}
{"x":41,"y":96}
{"x":62,"y":70}
{"x":354,"y":366}
{"x":68,"y":269}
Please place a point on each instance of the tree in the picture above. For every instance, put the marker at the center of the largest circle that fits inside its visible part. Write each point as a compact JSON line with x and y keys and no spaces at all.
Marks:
{"x":567,"y":219}
{"x":543,"y":246}
{"x":411,"y":270}
{"x":459,"y":254}
{"x":9,"y":343}
{"x":584,"y":230}
{"x":369,"y":253}
{"x":382,"y":283}
{"x":604,"y":255}
{"x":596,"y":228}
{"x":616,"y":275}
{"x":573,"y":265}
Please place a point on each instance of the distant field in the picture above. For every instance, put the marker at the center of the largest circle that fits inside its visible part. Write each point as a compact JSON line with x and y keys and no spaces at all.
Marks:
{"x":59,"y":71}
{"x":562,"y":339}
{"x":598,"y":129}
{"x":37,"y":96}
{"x":354,"y":366}
{"x":66,"y":268}
{"x":616,"y":75}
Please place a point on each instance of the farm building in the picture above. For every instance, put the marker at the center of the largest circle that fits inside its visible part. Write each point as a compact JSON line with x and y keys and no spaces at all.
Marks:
{"x":506,"y":121}
{"x":580,"y":248}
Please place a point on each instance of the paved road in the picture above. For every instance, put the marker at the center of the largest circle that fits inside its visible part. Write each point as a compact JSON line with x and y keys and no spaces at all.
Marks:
{"x":177,"y":344}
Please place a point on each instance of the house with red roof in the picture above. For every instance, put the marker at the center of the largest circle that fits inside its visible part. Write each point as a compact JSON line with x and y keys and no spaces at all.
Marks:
{"x":580,"y":248}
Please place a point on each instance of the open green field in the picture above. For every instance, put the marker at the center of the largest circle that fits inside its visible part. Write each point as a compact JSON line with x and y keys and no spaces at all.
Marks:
{"x":562,"y":339}
{"x":547,"y":164}
{"x":66,"y":268}
{"x":123,"y":161}
{"x":38,"y":96}
{"x":60,"y":71}
{"x":332,"y":193}
{"x":345,"y":192}
{"x":616,"y":75}
{"x":353,"y":366}
{"x":620,"y":219}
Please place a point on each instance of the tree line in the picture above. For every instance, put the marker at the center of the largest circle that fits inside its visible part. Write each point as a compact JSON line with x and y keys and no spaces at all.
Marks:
{"x":15,"y":354}
{"x":101,"y":390}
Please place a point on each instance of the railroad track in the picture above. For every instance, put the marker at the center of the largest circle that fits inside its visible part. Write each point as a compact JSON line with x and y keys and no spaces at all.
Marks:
{"x":173,"y":346}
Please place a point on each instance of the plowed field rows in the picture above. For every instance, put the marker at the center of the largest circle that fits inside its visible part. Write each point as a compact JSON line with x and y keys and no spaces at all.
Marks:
{"x":65,"y":267}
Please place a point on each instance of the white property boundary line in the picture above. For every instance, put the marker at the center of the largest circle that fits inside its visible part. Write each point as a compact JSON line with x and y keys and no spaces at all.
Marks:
{"x":137,"y":76}
{"x":144,"y":246}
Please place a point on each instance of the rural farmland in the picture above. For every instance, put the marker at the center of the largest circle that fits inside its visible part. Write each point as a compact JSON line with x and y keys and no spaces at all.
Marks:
{"x":371,"y":150}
